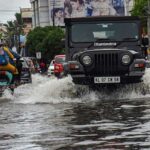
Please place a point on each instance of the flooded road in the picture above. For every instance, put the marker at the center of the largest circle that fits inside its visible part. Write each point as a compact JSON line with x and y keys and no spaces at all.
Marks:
{"x":52,"y":114}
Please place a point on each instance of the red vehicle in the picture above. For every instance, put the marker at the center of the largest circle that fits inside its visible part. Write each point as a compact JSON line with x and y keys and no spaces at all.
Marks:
{"x":59,"y":60}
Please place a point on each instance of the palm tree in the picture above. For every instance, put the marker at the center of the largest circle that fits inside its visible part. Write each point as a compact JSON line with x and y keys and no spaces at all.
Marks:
{"x":19,"y":25}
{"x":9,"y":34}
{"x":14,"y":29}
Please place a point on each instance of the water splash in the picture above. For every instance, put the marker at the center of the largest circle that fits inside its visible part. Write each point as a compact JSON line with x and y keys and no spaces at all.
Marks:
{"x":53,"y":90}
{"x":45,"y":90}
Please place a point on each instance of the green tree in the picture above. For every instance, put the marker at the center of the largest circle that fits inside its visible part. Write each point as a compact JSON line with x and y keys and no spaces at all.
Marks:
{"x":10,"y":27}
{"x":19,"y":20}
{"x":1,"y":35}
{"x":14,"y":29}
{"x":35,"y":39}
{"x":46,"y":40}
{"x":52,"y":42}
{"x":140,"y":8}
{"x":18,"y":29}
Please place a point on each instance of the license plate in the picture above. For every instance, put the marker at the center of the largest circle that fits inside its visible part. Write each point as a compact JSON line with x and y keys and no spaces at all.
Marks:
{"x":106,"y":79}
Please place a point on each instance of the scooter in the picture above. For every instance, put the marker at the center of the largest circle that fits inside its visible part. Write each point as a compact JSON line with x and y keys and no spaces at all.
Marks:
{"x":6,"y":82}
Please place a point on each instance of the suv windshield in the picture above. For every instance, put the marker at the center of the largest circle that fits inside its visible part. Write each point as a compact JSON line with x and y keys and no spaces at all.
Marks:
{"x":117,"y":31}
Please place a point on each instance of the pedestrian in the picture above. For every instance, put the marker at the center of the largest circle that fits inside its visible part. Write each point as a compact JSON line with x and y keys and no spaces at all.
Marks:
{"x":43,"y":67}
{"x":145,"y":43}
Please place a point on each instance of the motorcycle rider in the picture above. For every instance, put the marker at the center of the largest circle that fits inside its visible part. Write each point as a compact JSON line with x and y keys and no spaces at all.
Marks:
{"x":18,"y":65}
{"x":7,"y":60}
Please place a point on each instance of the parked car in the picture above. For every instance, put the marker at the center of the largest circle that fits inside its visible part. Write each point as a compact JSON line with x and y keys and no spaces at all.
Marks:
{"x":26,"y":72}
{"x":58,"y":65}
{"x":50,"y":70}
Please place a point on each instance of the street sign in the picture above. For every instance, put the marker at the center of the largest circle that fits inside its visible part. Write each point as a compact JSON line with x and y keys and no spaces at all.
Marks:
{"x":38,"y":55}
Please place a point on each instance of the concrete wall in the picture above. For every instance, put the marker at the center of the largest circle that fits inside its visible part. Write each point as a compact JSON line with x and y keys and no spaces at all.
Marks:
{"x":43,"y":13}
{"x":128,"y":6}
{"x":40,"y":15}
{"x":35,"y":17}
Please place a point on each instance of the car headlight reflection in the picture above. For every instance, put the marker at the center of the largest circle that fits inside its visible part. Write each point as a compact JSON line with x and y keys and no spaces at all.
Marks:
{"x":126,"y":59}
{"x":87,"y":60}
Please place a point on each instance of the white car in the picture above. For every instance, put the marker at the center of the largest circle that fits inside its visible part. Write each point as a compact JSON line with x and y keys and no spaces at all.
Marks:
{"x":51,"y":68}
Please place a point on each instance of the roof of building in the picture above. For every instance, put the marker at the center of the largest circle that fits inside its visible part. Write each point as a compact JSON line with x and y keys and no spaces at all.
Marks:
{"x":26,"y":12}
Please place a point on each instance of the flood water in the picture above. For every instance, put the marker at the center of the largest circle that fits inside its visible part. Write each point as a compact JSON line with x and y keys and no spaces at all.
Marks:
{"x":52,"y":114}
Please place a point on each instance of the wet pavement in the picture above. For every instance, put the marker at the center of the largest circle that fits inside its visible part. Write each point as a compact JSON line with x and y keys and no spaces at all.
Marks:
{"x":52,"y":114}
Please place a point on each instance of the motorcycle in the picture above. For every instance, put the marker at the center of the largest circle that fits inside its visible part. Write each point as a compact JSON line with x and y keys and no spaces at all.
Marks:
{"x":6,"y":82}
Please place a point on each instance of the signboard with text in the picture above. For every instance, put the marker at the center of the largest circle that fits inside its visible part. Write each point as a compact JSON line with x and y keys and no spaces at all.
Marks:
{"x":38,"y":55}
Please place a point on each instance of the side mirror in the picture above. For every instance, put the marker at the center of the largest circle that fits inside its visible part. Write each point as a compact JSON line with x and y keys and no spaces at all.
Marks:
{"x":145,"y":41}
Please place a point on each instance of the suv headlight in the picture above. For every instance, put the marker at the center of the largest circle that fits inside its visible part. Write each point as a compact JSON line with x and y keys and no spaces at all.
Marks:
{"x":126,"y":59}
{"x":87,"y":60}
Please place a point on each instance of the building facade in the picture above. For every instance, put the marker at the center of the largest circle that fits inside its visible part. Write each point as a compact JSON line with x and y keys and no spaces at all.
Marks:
{"x":53,"y":12}
{"x":26,"y":14}
{"x":40,"y":16}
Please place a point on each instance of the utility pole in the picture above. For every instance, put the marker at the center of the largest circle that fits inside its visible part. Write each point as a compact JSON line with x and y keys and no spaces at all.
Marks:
{"x":53,"y":13}
{"x":17,"y":35}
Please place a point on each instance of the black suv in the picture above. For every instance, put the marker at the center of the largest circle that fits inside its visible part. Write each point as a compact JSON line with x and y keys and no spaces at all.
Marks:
{"x":104,"y":50}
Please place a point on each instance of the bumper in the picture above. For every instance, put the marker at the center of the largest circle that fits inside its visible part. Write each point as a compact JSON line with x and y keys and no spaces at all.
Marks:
{"x":84,"y":80}
{"x":134,"y":74}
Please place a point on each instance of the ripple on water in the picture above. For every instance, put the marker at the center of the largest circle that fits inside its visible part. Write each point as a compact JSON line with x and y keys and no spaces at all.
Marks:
{"x":104,"y":125}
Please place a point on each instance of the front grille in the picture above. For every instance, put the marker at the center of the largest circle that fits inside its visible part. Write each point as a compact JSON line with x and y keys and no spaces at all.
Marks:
{"x":107,"y":64}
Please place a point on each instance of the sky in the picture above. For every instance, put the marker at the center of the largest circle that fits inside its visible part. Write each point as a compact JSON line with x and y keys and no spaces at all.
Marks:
{"x":8,"y":8}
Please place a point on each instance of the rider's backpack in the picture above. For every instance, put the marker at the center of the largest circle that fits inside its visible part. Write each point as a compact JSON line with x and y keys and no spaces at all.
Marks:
{"x":3,"y":59}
